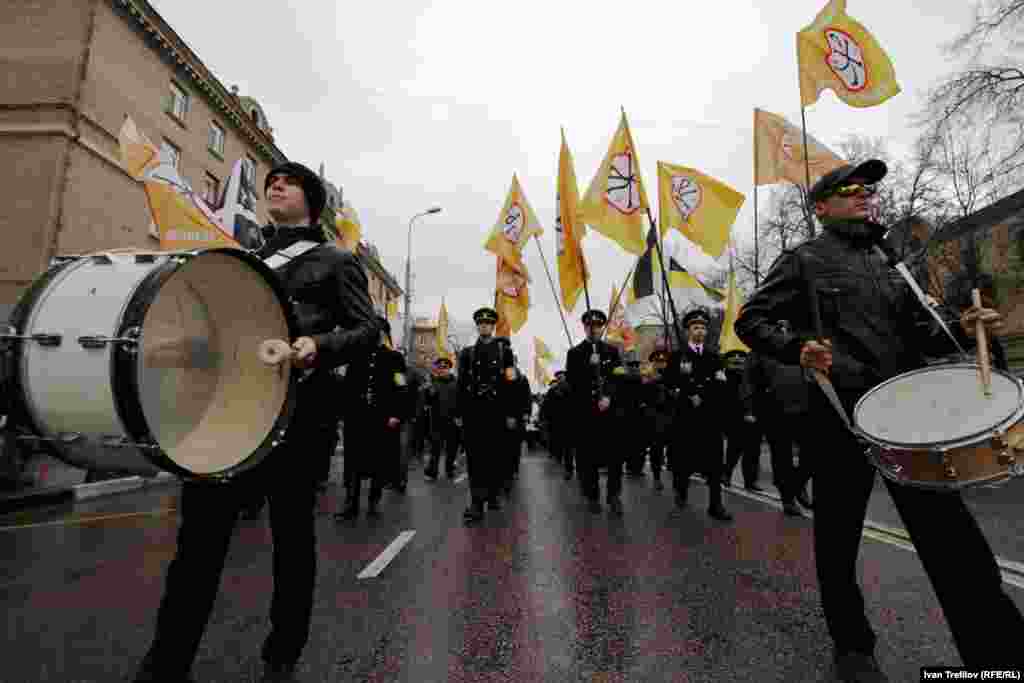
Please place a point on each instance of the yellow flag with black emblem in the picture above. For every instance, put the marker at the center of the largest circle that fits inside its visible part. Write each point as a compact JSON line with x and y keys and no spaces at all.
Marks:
{"x":615,"y":204}
{"x":569,"y":230}
{"x":700,"y":207}
{"x":516,"y":224}
{"x":441,"y":341}
{"x":835,"y":52}
{"x":542,"y":351}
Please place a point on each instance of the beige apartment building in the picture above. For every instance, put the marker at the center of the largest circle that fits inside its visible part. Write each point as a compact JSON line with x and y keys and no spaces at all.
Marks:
{"x":74,"y":70}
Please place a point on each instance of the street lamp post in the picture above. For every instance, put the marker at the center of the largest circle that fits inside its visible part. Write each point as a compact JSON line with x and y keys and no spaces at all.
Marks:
{"x":407,"y":333}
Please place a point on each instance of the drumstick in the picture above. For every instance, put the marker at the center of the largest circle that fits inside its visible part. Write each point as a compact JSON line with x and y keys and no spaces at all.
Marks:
{"x":275,"y":351}
{"x":982,"y":338}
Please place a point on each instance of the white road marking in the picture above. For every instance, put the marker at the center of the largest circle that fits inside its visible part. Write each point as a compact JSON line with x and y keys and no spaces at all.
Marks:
{"x":384,"y":559}
{"x":461,"y":478}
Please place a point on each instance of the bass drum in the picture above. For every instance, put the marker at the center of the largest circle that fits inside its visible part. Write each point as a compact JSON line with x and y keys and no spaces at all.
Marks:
{"x":140,"y":362}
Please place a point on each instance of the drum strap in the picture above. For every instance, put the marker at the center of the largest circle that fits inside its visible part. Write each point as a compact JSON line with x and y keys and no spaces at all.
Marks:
{"x":279,"y":258}
{"x":901,"y":268}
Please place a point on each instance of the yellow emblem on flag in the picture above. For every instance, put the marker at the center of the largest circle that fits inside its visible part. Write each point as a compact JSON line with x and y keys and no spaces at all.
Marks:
{"x":835,"y":52}
{"x":569,"y":229}
{"x":516,"y":224}
{"x":616,"y":203}
{"x":779,"y":153}
{"x":697,"y":205}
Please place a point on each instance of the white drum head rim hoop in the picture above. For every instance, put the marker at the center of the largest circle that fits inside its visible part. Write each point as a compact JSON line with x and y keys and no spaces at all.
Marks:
{"x":972,"y":436}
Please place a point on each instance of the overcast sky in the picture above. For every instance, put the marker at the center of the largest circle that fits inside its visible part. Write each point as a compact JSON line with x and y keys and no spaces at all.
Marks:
{"x":417,"y":104}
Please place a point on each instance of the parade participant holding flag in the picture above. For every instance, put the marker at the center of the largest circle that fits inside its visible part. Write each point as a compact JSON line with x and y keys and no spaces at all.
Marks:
{"x":327,"y":288}
{"x":696,"y":376}
{"x":593,"y":368}
{"x":486,"y":411}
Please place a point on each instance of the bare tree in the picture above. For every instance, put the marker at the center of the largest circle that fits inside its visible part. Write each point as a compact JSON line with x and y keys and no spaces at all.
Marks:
{"x":986,"y":92}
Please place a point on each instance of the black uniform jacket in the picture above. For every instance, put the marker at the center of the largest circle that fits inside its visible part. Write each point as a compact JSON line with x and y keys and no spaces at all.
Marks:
{"x":378,"y":384}
{"x":327,"y":289}
{"x":441,"y":396}
{"x":877,"y":327}
{"x":705,"y":378}
{"x":588,"y":383}
{"x":483,"y":383}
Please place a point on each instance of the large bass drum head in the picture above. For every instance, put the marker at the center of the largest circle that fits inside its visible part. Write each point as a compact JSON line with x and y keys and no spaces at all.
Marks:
{"x":937,"y":406}
{"x":208,"y":401}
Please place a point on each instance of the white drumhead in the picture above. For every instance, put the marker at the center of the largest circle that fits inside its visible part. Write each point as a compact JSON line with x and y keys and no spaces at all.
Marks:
{"x":938,"y":405}
{"x":208,"y":400}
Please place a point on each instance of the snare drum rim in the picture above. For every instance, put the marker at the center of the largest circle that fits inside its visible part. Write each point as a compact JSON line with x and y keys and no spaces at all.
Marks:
{"x":21,"y":414}
{"x":1002,"y":426}
{"x":125,"y":375}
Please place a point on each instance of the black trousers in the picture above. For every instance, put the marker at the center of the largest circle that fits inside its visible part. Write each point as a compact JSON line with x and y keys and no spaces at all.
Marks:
{"x":599,"y":446}
{"x":743,"y":447}
{"x":698,"y":448}
{"x":484,"y":430}
{"x":780,"y":430}
{"x":636,"y":450}
{"x":444,"y":440}
{"x":208,"y":515}
{"x":985,"y":623}
{"x":372,"y":451}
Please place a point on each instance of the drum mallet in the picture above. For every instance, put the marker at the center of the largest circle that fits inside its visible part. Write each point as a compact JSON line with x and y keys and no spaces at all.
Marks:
{"x":982,"y":340}
{"x":275,"y":351}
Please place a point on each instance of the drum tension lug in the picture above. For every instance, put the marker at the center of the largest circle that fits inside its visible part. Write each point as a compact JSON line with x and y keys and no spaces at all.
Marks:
{"x":41,"y":338}
{"x":947,"y":466}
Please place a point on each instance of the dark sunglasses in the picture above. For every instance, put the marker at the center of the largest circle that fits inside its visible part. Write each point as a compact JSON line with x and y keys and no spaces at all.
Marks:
{"x":854,"y":190}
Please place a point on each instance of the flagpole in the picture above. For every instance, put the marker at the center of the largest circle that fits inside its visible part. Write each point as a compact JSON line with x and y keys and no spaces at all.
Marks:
{"x":664,"y":298}
{"x":757,"y":252}
{"x":615,"y":304}
{"x":664,"y":278}
{"x":551,"y":281}
{"x":807,"y":169}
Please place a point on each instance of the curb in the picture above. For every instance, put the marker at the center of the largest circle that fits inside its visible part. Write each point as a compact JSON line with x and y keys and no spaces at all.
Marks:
{"x":55,"y":495}
{"x":1013,"y":572}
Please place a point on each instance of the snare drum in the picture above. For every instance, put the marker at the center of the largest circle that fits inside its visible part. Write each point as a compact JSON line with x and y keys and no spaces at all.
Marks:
{"x":141,"y":362}
{"x":935,"y":428}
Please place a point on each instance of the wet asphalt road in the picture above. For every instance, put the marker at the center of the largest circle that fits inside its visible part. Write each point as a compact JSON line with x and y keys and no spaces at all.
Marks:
{"x":540,"y":591}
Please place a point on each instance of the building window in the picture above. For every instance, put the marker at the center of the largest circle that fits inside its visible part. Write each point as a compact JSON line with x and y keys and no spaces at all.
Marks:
{"x":249,"y":170}
{"x":177,"y":102}
{"x":216,"y":141}
{"x":170,"y":154}
{"x":211,"y":189}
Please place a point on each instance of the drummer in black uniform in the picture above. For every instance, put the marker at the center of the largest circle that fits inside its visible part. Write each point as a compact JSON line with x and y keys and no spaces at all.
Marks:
{"x":327,"y":288}
{"x":593,"y":368}
{"x":695,"y":372}
{"x":377,"y":395}
{"x":486,"y":411}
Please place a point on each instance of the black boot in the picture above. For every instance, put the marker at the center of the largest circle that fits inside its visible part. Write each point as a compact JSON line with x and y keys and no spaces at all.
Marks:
{"x":474,"y":513}
{"x":720,"y":513}
{"x":351,"y":510}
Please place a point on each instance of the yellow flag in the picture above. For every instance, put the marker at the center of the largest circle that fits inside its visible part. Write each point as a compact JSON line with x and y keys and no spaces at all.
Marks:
{"x":541,"y":375}
{"x":728,"y":341}
{"x":512,"y":300}
{"x":542,"y":351}
{"x":779,"y":152}
{"x":616,"y":203}
{"x":572,"y":268}
{"x":697,"y":205}
{"x":442,"y":331}
{"x":350,"y":230}
{"x":392,"y":309}
{"x":516,"y":224}
{"x":619,"y":328}
{"x":835,"y":52}
{"x":182,"y":218}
